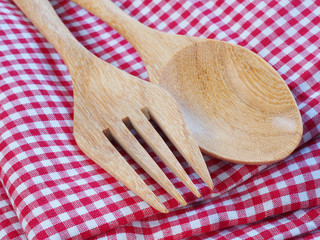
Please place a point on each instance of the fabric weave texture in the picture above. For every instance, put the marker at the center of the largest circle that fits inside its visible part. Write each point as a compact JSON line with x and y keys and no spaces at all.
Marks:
{"x":50,"y":190}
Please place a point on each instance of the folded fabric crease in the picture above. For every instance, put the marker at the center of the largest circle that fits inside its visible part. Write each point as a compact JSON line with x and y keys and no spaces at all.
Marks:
{"x":50,"y":190}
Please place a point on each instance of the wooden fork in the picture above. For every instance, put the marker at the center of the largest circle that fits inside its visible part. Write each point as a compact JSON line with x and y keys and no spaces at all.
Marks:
{"x":107,"y":101}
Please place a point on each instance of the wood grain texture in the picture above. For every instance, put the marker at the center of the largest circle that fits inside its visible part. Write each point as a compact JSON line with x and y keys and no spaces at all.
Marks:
{"x":106,"y":100}
{"x":238,"y":107}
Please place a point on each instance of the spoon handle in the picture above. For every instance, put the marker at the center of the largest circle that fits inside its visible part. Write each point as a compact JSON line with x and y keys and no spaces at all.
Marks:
{"x":154,"y":47}
{"x":130,"y":28}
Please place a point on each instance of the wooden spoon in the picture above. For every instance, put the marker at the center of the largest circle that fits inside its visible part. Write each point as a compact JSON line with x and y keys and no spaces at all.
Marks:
{"x":238,"y":107}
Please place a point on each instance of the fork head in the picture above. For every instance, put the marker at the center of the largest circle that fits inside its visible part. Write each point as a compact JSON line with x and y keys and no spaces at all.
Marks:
{"x":107,"y":103}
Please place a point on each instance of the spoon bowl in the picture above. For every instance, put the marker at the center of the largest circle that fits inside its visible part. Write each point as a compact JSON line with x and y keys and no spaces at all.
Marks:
{"x":237,"y":106}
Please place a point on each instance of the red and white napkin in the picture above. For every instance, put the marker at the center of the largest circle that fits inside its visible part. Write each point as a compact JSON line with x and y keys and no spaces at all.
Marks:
{"x":51,"y":190}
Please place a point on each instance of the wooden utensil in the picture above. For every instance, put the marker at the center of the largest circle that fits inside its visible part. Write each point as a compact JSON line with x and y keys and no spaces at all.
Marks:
{"x":107,"y":100}
{"x":237,"y":106}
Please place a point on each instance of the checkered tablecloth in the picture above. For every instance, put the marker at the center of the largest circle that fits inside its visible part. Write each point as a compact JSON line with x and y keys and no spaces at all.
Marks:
{"x":50,"y":190}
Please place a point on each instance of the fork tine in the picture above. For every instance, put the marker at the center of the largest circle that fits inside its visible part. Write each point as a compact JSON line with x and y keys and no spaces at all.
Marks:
{"x":172,"y":124}
{"x":124,"y":173}
{"x":118,"y":167}
{"x":128,"y":142}
{"x":145,"y":129}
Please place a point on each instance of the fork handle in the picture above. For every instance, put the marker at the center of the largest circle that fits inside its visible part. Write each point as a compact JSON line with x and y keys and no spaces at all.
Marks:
{"x":44,"y":17}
